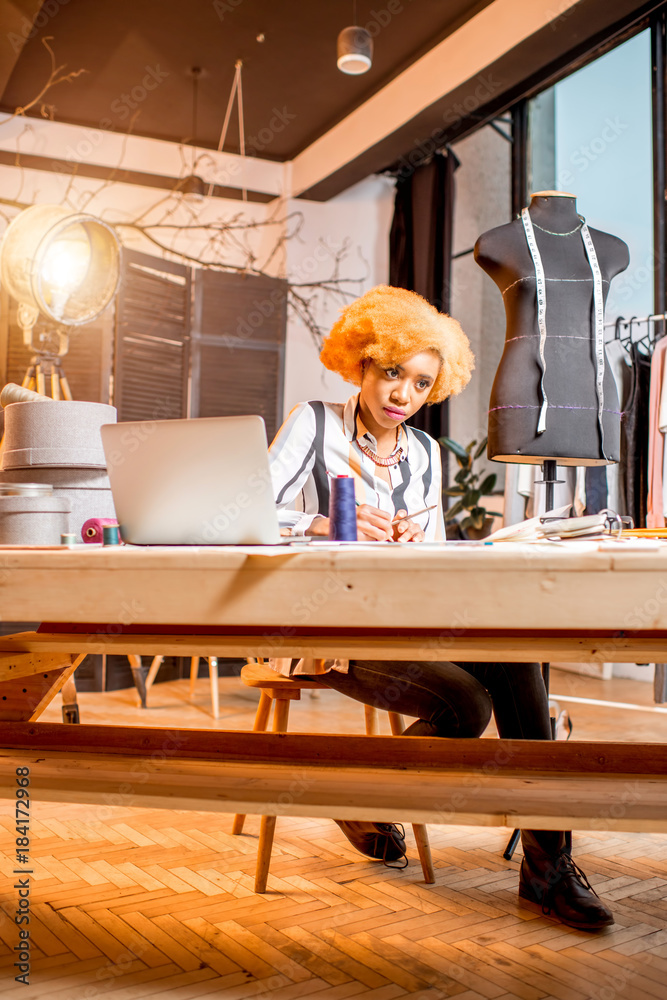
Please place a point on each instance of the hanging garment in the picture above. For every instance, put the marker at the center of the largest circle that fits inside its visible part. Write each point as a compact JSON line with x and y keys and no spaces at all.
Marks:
{"x":634,"y":436}
{"x":660,"y":683}
{"x":619,"y":364}
{"x":514,"y":509}
{"x":596,"y":489}
{"x":655,"y":517}
{"x":662,"y":427}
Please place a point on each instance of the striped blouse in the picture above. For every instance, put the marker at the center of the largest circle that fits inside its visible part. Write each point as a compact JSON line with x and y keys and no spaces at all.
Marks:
{"x":319,"y":438}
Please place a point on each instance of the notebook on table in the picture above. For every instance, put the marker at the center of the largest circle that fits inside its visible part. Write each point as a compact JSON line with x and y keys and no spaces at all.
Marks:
{"x":192,"y":482}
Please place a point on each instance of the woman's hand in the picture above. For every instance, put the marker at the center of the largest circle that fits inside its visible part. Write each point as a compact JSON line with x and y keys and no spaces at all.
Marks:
{"x":406,"y":530}
{"x":319,"y":526}
{"x":373,"y":524}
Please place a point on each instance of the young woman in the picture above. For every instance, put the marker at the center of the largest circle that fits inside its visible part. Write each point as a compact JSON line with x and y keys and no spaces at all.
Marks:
{"x":403,"y":353}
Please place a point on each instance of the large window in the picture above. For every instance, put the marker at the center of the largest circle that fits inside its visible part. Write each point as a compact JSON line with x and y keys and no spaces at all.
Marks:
{"x":591,"y":135}
{"x":483,"y":201}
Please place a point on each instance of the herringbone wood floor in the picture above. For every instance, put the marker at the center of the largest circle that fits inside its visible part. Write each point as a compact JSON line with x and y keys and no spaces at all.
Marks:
{"x":131,"y":903}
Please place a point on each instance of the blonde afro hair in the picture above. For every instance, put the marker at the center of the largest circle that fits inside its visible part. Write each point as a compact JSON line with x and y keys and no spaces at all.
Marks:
{"x":390,"y":325}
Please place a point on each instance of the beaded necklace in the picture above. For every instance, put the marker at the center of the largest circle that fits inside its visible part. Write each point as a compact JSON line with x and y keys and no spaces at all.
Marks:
{"x":392,"y":459}
{"x":384,"y":461}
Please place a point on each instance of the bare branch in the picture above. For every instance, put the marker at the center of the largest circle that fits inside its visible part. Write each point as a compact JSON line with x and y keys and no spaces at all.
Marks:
{"x":112,"y":176}
{"x":56,"y":76}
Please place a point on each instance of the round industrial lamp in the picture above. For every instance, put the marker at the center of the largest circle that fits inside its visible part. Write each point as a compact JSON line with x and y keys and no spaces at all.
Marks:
{"x":355,"y":51}
{"x":64,"y":265}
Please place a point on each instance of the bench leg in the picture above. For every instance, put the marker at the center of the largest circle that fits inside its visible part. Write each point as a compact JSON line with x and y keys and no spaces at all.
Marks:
{"x":261,"y":722}
{"x":70,"y":702}
{"x":139,"y":673}
{"x":266,"y":832}
{"x":213,"y":676}
{"x":371,"y":720}
{"x":424,"y":850}
{"x":156,"y":663}
{"x":268,"y":823}
{"x":419,"y":830}
{"x":194,"y":666}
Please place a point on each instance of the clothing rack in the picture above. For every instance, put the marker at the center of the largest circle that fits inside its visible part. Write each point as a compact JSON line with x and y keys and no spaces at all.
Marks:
{"x":647,"y":340}
{"x":621,"y":321}
{"x":636,"y":319}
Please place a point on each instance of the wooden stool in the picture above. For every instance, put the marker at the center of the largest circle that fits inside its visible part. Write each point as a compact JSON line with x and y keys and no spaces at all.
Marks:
{"x":283,"y":690}
{"x":213,"y":678}
{"x":143,"y":687}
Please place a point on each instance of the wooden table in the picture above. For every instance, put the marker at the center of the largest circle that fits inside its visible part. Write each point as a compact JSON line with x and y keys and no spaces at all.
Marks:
{"x":503,"y":602}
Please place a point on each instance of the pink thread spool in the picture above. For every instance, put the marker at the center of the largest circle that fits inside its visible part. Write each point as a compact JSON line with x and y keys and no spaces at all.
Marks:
{"x":92,"y":530}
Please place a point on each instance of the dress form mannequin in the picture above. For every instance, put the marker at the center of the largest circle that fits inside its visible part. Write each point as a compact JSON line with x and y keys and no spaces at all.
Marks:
{"x":572,"y":434}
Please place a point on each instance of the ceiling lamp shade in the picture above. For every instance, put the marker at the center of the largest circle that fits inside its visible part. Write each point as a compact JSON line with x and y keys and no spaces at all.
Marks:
{"x":193,"y":188}
{"x":355,"y":51}
{"x":65,"y":265}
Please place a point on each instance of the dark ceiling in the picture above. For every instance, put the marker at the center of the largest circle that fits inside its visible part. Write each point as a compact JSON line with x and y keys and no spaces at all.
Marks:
{"x":138,"y":56}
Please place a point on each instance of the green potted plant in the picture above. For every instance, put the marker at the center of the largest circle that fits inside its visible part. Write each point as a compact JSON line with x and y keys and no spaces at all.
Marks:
{"x":477,"y":521}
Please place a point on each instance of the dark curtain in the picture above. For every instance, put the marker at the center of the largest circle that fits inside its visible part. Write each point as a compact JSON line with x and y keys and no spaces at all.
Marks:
{"x":420,"y":250}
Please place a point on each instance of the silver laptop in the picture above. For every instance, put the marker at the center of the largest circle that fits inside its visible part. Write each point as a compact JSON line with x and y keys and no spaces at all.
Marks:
{"x":192,"y":482}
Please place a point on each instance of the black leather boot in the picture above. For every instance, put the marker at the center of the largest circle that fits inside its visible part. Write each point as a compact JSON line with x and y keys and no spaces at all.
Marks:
{"x":550,"y":878}
{"x":381,"y":841}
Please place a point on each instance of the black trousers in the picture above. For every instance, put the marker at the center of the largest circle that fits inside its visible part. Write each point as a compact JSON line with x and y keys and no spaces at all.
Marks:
{"x":456,"y":700}
{"x":452,"y":699}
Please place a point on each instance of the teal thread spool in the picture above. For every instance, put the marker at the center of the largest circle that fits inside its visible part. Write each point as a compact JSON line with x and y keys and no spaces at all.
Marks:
{"x":110,"y":535}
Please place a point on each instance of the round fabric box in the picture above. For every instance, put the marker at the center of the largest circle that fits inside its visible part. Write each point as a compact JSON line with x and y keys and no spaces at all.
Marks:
{"x":87,"y":490}
{"x":33,"y":520}
{"x":63,"y":433}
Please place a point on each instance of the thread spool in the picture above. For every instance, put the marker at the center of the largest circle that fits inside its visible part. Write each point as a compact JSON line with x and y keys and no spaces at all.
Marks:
{"x":13,"y":393}
{"x":110,"y":535}
{"x":92,"y":530}
{"x":342,"y":510}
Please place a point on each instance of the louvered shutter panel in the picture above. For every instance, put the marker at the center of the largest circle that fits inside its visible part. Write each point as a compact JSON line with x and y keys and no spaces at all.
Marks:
{"x":152,"y":338}
{"x":238,"y":346}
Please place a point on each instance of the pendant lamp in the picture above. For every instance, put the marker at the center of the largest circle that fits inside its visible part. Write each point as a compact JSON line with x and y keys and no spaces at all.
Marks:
{"x":355,"y":51}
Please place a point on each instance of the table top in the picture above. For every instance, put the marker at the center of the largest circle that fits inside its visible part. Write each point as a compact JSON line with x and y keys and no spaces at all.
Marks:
{"x":565,"y":585}
{"x":642,"y":553}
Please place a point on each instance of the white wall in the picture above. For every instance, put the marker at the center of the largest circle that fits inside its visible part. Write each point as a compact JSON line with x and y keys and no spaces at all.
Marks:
{"x":119,"y":203}
{"x":360,"y":216}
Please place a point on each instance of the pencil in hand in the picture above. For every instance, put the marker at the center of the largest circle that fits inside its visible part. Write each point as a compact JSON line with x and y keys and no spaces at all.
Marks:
{"x":407,"y":517}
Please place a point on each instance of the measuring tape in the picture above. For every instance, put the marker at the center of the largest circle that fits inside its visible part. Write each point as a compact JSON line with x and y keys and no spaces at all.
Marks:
{"x":541,"y":291}
{"x":598,"y":315}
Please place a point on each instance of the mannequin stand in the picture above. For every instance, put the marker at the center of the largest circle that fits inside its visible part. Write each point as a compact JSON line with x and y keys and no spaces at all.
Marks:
{"x":549,"y":480}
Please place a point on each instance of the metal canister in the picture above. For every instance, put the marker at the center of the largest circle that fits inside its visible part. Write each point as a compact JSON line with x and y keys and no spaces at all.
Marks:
{"x":26,"y":490}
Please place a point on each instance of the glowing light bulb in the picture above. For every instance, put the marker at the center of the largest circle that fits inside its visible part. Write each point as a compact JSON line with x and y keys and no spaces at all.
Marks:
{"x":63,"y":269}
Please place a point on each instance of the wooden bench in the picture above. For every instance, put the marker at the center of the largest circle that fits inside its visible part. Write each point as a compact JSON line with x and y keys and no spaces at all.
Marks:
{"x":534,"y":784}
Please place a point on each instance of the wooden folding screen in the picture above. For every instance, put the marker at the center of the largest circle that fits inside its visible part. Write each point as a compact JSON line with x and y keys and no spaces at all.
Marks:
{"x":238,"y":346}
{"x":151,"y":366}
